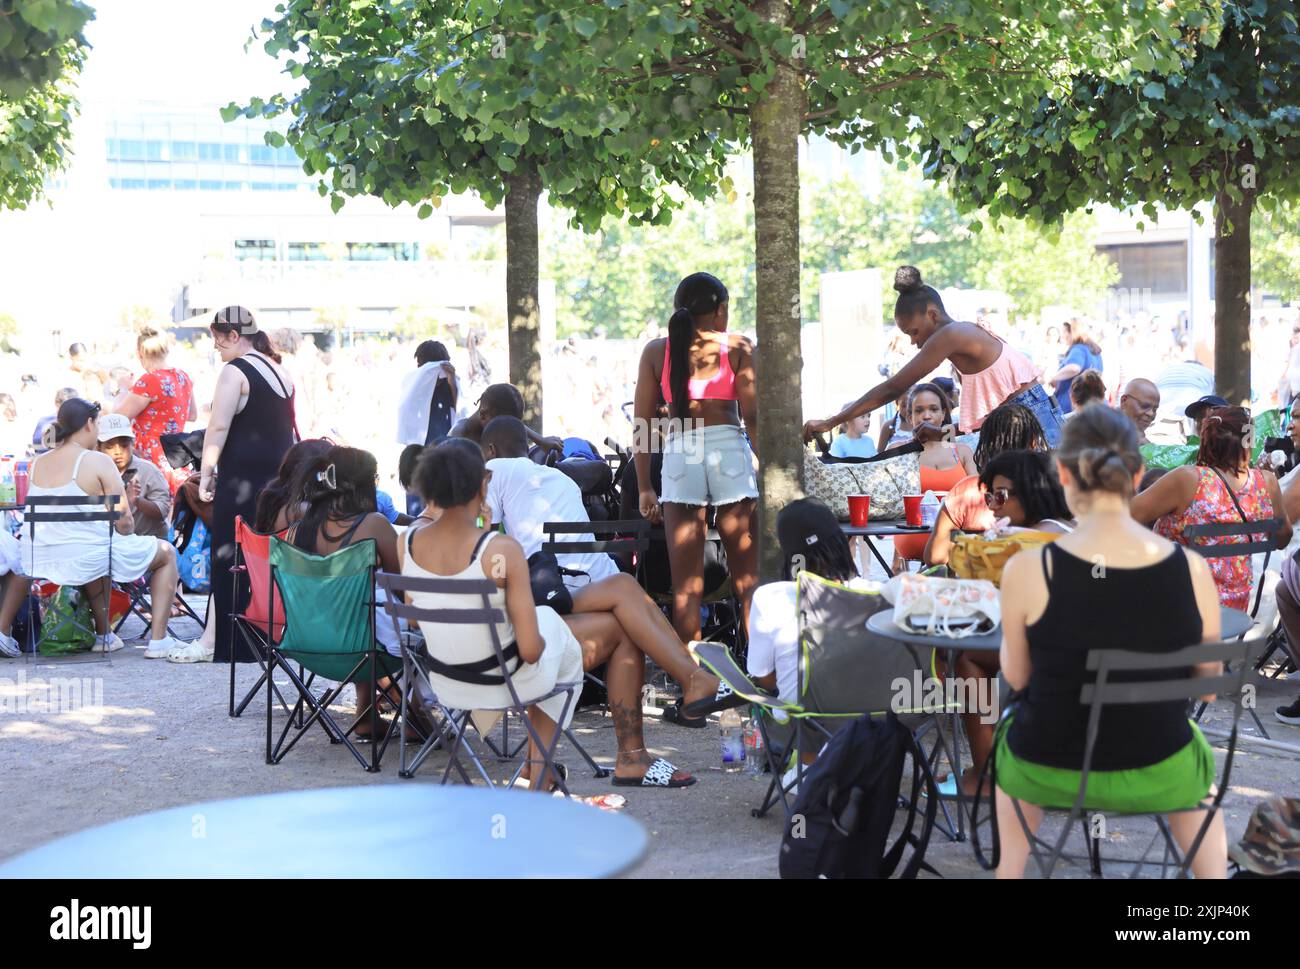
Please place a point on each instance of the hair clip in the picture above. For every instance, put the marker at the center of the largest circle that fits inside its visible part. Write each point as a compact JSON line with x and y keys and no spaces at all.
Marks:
{"x":811,"y":540}
{"x":328,"y":478}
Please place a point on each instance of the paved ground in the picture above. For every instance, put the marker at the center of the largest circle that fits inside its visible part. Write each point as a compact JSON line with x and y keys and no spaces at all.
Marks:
{"x":161,"y":738}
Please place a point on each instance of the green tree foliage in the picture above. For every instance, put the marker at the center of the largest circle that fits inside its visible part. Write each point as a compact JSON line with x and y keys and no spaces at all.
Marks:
{"x":620,"y":279}
{"x":41,"y":50}
{"x":1276,"y":251}
{"x":1220,"y":126}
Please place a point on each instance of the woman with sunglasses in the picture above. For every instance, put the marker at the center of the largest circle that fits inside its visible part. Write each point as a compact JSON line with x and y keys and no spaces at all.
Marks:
{"x":1022,"y":491}
{"x":72,"y":553}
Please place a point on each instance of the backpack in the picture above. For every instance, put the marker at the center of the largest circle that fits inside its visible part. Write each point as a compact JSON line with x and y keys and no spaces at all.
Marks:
{"x":67,"y":626}
{"x":194,"y":560}
{"x":846,"y":806}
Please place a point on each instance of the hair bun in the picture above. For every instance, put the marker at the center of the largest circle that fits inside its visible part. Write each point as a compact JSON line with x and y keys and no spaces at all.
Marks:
{"x":907,"y":279}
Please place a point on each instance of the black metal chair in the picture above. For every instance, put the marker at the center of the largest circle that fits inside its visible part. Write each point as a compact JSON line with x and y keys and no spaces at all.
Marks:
{"x":1104,"y":692}
{"x":418,"y":663}
{"x":1267,"y":544}
{"x":629,"y":538}
{"x":36,"y":511}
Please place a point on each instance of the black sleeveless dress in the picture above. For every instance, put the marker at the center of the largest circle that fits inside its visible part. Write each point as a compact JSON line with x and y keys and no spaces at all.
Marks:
{"x":259,"y":436}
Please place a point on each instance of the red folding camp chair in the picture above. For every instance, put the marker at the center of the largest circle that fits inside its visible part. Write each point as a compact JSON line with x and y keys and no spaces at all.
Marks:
{"x":262,"y":621}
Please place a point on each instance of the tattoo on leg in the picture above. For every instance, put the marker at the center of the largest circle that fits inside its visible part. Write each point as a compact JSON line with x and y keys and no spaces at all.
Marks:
{"x":627,"y":722}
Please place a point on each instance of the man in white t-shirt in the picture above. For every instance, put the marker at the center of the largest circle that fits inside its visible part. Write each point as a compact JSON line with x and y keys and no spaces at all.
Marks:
{"x":523,"y":495}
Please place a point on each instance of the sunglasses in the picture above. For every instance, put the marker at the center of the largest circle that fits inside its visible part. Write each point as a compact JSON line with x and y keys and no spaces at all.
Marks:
{"x":997,"y":497}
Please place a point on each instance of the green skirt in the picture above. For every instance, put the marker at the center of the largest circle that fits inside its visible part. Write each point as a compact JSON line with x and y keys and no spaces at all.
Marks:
{"x":1177,"y":783}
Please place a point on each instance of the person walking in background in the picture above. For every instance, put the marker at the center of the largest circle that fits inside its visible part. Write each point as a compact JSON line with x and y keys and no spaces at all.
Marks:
{"x":1082,"y":354}
{"x":160,"y":402}
{"x":705,"y":376}
{"x":992,"y":373}
{"x":251,"y":430}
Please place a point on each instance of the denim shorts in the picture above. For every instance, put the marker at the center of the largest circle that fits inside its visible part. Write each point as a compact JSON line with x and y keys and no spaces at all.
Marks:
{"x":708,"y":466}
{"x":1045,"y":408}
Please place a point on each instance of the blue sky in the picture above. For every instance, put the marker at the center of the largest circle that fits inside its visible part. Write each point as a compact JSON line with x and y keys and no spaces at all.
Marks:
{"x":184,"y":51}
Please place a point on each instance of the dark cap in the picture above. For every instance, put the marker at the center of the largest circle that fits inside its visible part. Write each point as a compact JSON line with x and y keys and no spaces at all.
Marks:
{"x":1196,"y":408}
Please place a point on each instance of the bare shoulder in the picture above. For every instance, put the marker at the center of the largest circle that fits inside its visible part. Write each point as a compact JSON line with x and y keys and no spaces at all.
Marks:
{"x":1023,"y":573}
{"x":498,"y":554}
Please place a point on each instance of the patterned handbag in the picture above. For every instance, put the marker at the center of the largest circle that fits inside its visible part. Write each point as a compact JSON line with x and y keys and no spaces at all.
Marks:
{"x":886,"y":481}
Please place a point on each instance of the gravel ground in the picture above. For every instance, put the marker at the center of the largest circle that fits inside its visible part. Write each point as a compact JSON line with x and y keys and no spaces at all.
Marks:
{"x":160,"y":737}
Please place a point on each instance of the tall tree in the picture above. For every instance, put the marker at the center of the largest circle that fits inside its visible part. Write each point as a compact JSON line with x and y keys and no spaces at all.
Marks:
{"x":42,"y":50}
{"x":411,"y":100}
{"x":859,"y":71}
{"x":1222,"y":127}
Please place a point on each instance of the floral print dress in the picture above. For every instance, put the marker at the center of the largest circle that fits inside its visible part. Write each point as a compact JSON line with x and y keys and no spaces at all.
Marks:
{"x":1212,"y":504}
{"x":169,"y":392}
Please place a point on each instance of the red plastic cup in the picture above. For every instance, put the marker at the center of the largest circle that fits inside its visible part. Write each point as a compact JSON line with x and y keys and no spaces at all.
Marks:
{"x":912,"y":509}
{"x":859,"y":509}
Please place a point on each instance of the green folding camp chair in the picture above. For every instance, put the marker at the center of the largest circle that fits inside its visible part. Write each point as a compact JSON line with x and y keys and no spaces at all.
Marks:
{"x":844,"y":671}
{"x":329,"y":630}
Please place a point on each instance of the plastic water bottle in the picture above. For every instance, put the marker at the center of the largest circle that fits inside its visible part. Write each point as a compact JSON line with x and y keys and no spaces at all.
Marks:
{"x":21,"y":482}
{"x":753,"y":748}
{"x":733,"y":740}
{"x":8,"y":485}
{"x":929,"y":509}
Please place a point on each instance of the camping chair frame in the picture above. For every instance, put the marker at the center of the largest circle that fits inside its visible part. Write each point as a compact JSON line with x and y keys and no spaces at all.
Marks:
{"x":1105,"y":692}
{"x":378,"y":661}
{"x":630,"y":537}
{"x":138,"y":594}
{"x":1267,"y":528}
{"x":34,"y":512}
{"x":247,"y":625}
{"x":396,"y":588}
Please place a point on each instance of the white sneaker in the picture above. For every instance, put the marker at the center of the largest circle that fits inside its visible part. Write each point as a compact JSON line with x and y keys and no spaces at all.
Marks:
{"x":194,"y":652}
{"x":108,"y":643}
{"x":161,"y":648}
{"x":9,"y":646}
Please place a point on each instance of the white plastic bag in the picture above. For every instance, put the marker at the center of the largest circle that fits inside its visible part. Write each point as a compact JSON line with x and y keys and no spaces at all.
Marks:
{"x":955,"y":608}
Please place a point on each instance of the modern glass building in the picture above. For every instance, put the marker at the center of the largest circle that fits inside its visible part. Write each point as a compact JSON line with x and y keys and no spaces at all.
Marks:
{"x":161,"y":149}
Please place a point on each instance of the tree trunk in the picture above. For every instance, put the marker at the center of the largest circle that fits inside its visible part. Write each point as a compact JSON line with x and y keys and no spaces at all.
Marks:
{"x":776,"y":122}
{"x":523,"y":188}
{"x":1232,"y":297}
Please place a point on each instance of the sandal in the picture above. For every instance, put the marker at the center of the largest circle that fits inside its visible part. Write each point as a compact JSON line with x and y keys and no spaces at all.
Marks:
{"x":673,"y":714}
{"x":724,"y":699}
{"x":676,"y":713}
{"x":658,"y":774}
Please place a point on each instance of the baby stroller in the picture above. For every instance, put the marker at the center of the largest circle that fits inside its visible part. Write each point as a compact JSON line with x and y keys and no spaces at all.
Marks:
{"x":594,"y":475}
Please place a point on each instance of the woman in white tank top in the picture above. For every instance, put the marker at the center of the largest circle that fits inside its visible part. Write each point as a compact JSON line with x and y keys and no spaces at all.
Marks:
{"x":77,"y":553}
{"x":541,"y":648}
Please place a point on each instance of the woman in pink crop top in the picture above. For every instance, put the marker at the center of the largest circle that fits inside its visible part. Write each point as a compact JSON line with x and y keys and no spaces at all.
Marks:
{"x":992,"y":372}
{"x":702,"y":378}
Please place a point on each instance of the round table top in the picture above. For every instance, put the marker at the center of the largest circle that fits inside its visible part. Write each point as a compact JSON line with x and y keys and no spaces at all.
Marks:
{"x":404,"y":830}
{"x":1234,"y":622}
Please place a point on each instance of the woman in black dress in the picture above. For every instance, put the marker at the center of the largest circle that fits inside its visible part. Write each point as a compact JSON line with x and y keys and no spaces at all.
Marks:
{"x":251,"y":428}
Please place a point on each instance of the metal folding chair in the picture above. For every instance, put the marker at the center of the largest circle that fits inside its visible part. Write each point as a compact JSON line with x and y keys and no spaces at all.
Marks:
{"x":1266,"y":544}
{"x":418,"y":662}
{"x":1104,"y":692}
{"x":629,"y":538}
{"x":36,"y":511}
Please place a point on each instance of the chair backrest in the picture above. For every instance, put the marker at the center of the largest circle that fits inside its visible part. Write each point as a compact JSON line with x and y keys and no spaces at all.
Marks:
{"x":1180,"y":685}
{"x":328,"y":606}
{"x":626,"y":537}
{"x":396,"y":587}
{"x":1266,"y":528}
{"x":264,"y":599}
{"x":845,"y":668}
{"x":35,"y":504}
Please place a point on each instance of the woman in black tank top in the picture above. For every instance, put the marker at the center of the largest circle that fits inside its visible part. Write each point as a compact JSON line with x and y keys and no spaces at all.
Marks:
{"x":1110,"y":584}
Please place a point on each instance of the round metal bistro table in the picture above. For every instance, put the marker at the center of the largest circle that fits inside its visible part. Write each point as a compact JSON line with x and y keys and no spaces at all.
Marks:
{"x":376,"y":831}
{"x":1233,"y":623}
{"x":881,"y":529}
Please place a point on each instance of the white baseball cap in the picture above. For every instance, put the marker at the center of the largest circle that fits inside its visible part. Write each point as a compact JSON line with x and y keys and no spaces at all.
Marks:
{"x":113,"y":426}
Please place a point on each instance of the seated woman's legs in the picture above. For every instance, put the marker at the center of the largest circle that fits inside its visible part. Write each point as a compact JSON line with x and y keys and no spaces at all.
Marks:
{"x":971,"y":669}
{"x":15,"y":591}
{"x":1013,"y":844}
{"x":648,"y":630}
{"x":162,"y":587}
{"x":95,"y":593}
{"x":604,"y":640}
{"x":1211,"y":859}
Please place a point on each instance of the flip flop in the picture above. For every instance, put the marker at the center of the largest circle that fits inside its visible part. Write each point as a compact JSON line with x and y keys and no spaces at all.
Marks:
{"x":724,"y":699}
{"x":673,"y":714}
{"x":658,"y":774}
